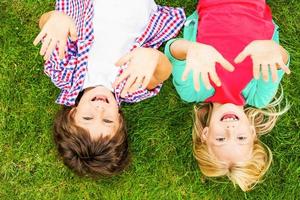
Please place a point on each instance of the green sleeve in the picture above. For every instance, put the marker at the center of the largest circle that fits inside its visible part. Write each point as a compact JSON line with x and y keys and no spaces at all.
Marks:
{"x":259,"y":93}
{"x":185,"y":89}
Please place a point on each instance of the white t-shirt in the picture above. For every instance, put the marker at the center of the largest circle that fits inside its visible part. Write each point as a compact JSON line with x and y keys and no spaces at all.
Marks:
{"x":116,"y":23}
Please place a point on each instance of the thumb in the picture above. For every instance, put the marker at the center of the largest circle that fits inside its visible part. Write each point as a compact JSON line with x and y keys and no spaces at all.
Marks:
{"x":73,"y":32}
{"x":123,"y":60}
{"x":242,"y":56}
{"x":226,"y":64}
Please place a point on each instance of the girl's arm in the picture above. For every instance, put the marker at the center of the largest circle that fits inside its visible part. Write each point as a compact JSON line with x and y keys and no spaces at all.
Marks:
{"x":266,"y":55}
{"x":285,"y":55}
{"x":260,"y":92}
{"x":201,"y":59}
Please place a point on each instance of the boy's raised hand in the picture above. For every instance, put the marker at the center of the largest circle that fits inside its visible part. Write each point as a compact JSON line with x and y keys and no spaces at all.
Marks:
{"x":202,"y":59}
{"x":142,"y":63}
{"x":56,"y":26}
{"x":266,"y":55}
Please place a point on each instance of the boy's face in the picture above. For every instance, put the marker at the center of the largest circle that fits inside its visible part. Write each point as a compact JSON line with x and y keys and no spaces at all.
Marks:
{"x":230,"y":136}
{"x":98,"y":112}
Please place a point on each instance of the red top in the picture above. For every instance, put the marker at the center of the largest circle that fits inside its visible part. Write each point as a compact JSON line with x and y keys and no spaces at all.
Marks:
{"x":229,"y":26}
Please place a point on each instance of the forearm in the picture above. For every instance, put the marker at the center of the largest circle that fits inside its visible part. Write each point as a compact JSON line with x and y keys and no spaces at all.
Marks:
{"x":44,"y":18}
{"x":162,"y":71}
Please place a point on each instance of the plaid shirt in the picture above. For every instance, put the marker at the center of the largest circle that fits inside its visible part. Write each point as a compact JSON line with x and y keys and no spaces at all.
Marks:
{"x":68,"y":74}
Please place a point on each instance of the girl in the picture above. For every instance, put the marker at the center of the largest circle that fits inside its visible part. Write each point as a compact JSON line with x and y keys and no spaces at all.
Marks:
{"x":90,"y":131}
{"x":236,"y":40}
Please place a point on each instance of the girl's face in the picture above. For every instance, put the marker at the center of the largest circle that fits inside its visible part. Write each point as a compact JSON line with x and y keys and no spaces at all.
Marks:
{"x":97,"y":112}
{"x":229,"y":136}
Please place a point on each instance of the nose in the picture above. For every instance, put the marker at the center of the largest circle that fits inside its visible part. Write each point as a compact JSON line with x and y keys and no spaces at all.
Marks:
{"x":230,"y":126}
{"x":99,"y":107}
{"x":97,"y":104}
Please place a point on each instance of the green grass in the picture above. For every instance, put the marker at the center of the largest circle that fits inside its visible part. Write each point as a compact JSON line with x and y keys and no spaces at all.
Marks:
{"x":159,"y":129}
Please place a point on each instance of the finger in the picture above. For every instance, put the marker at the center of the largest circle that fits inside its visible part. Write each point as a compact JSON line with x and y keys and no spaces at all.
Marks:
{"x":185,"y":73}
{"x":45,"y":45}
{"x":61,"y":48}
{"x":274,"y":73}
{"x":73,"y":32}
{"x":265,"y":72}
{"x":206,"y":81}
{"x":196,"y":80}
{"x":145,"y":82}
{"x":256,"y":70}
{"x":50,"y":49}
{"x":121,"y":78}
{"x":215,"y":78}
{"x":242,"y":56}
{"x":225,"y":64}
{"x":136,"y":85}
{"x":285,"y":68}
{"x":123,"y":60}
{"x":128,"y":85}
{"x":39,"y":38}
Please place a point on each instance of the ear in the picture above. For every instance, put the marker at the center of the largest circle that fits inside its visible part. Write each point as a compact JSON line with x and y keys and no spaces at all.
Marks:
{"x":204,"y":134}
{"x":253,"y":131}
{"x":72,"y":111}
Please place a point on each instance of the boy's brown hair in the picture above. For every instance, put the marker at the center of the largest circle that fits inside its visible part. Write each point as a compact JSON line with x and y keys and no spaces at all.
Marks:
{"x":105,"y":156}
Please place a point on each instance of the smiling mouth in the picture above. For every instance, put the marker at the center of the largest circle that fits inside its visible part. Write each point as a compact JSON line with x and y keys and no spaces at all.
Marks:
{"x":229,"y":118}
{"x":100,"y":98}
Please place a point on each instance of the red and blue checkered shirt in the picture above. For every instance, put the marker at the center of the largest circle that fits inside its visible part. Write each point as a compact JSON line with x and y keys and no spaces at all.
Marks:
{"x":68,"y":74}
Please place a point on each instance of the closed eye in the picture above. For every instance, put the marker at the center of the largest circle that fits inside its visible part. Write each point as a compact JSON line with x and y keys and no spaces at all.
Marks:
{"x":87,"y":118}
{"x":107,"y":121}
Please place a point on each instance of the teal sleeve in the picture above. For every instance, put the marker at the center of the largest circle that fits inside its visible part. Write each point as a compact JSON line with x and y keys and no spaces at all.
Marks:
{"x":185,"y":89}
{"x":259,"y":93}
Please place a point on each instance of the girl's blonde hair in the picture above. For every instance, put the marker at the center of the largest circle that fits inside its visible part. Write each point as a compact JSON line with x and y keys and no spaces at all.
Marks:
{"x":245,"y":174}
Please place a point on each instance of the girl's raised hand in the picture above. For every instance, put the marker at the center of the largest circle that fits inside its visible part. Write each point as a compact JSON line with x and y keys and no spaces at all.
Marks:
{"x":266,"y":55}
{"x":202,"y":59}
{"x":141,"y":66}
{"x":56,"y":26}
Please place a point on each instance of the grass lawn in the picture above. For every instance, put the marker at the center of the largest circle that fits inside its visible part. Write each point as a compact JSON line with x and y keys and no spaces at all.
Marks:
{"x":163,"y":166}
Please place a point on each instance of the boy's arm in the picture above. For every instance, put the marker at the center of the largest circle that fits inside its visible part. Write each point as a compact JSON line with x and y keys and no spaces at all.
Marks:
{"x":179,"y":49}
{"x":55,"y":28}
{"x":44,"y":18}
{"x":146,"y":68}
{"x":162,"y":71}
